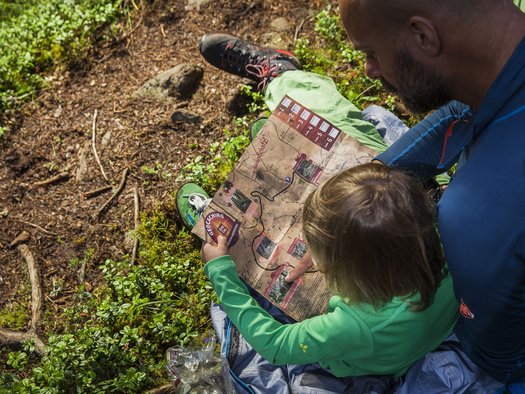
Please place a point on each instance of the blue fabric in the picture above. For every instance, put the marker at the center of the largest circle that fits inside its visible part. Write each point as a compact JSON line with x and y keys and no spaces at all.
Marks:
{"x":250,"y":373}
{"x":481,"y":216}
{"x":388,"y":125}
{"x":446,"y":370}
{"x":421,"y":148}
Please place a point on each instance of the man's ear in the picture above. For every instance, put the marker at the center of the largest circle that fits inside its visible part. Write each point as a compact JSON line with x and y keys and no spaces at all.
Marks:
{"x":423,"y":36}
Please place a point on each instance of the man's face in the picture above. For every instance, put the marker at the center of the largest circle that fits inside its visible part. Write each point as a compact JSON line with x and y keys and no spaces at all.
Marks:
{"x":420,"y":88}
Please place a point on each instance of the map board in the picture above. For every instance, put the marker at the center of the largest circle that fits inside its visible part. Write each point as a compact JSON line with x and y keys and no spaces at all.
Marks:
{"x":259,"y":206}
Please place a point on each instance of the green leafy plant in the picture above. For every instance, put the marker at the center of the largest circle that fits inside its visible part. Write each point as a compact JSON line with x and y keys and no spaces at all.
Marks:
{"x":116,"y":336}
{"x":210,"y":171}
{"x":17,"y":360}
{"x":256,"y":104}
{"x":34,"y":36}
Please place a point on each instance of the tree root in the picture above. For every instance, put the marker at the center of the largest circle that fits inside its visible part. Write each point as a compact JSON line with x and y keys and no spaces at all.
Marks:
{"x":12,"y":338}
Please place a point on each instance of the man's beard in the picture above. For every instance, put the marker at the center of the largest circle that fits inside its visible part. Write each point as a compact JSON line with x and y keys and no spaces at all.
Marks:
{"x":420,"y":89}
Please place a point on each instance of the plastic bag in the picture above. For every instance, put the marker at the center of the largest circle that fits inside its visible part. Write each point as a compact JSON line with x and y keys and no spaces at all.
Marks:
{"x":199,"y":370}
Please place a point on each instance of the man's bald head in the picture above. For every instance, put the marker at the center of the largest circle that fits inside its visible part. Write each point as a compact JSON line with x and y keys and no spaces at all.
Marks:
{"x":391,"y":14}
{"x":460,"y":46}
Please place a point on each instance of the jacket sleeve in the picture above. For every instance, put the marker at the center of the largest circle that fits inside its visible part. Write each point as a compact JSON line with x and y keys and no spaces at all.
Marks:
{"x":331,"y":336}
{"x":420,"y":149}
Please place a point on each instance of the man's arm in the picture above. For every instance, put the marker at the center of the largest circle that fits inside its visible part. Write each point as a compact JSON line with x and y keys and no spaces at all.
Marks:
{"x":421,"y":149}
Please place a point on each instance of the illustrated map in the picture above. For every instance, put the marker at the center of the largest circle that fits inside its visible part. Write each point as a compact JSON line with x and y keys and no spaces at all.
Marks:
{"x":259,"y":206}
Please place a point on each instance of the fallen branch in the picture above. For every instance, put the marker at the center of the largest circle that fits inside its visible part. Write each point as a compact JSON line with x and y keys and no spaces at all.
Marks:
{"x":136,"y":200}
{"x":94,"y":145}
{"x":63,"y":176}
{"x":97,"y":192}
{"x":15,"y":338}
{"x":9,"y":337}
{"x":103,"y":208}
{"x":37,"y":227}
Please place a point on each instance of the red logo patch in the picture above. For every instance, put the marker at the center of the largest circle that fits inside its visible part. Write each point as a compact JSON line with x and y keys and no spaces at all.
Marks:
{"x":465,"y":311}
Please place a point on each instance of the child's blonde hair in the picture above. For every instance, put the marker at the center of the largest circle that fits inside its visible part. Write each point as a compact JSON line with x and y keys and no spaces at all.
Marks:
{"x":371,"y":231}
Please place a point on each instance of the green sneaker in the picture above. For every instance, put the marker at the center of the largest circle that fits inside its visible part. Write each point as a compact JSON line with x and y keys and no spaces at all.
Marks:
{"x":257,"y":125}
{"x":191,"y":201}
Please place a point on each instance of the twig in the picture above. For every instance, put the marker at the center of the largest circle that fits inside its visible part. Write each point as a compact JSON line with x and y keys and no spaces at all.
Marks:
{"x":363,"y":92}
{"x":93,"y":143}
{"x":249,"y":8}
{"x":103,"y":208}
{"x":136,"y":200}
{"x":37,"y":227}
{"x":298,"y":30}
{"x":63,"y":176}
{"x":8,"y":337}
{"x":50,"y":299}
{"x":94,"y":193}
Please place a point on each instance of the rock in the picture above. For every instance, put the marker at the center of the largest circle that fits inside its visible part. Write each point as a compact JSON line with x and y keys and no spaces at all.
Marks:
{"x":275,"y":40}
{"x":23,"y":237}
{"x":82,"y":173}
{"x":180,"y":81}
{"x":129,"y":239}
{"x":185,"y":117}
{"x":280,"y":24}
{"x":106,"y":138}
{"x":195,"y":4}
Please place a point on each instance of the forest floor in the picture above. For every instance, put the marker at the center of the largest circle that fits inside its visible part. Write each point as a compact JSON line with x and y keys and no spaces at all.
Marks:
{"x":48,"y":165}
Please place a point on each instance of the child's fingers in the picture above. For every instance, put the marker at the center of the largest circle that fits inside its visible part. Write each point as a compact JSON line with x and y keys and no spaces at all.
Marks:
{"x":304,"y":264}
{"x":210,"y":251}
{"x":222,"y":241}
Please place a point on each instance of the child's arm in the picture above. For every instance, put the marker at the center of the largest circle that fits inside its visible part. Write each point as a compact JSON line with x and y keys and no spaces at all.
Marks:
{"x":330,"y":338}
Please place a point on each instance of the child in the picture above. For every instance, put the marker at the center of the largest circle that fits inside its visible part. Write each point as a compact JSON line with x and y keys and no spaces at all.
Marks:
{"x":370,"y":230}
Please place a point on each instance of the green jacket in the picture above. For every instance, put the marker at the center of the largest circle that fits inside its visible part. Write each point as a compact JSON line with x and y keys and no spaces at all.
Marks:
{"x":349,"y":340}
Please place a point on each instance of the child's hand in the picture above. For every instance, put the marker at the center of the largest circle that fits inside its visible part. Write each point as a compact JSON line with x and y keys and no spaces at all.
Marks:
{"x":210,"y":252}
{"x":304,"y":264}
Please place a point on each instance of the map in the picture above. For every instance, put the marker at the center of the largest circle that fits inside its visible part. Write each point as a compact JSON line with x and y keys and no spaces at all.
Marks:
{"x":259,"y":207}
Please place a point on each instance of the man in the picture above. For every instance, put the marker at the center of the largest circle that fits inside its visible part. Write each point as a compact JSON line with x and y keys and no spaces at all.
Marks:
{"x":431,"y":52}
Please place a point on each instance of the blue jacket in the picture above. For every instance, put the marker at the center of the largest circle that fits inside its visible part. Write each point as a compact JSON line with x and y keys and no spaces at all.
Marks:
{"x":482,"y":214}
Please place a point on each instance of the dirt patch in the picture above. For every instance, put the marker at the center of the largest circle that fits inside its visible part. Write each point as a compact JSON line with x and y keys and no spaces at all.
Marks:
{"x":54,"y":138}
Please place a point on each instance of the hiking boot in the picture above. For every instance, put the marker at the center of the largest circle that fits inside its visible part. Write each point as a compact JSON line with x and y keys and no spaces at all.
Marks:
{"x":241,"y":58}
{"x":191,"y":202}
